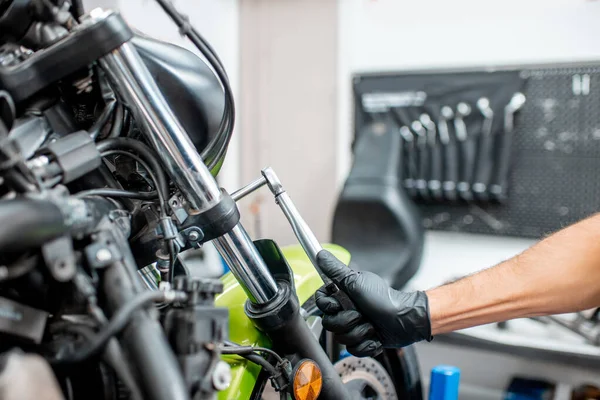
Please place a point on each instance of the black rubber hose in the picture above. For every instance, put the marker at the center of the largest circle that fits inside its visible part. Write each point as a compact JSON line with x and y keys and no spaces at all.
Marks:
{"x":102,"y":119}
{"x":256,"y":359}
{"x":26,"y":223}
{"x":116,"y":324}
{"x":109,"y":192}
{"x":233,"y":348}
{"x":118,"y":121}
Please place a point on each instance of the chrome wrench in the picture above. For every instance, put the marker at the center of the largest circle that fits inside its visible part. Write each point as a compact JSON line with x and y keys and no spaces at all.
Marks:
{"x":467,"y":151}
{"x":499,"y":182}
{"x":436,"y":173}
{"x":423,"y":166}
{"x":483,"y":171}
{"x":304,"y":234}
{"x":451,"y":156}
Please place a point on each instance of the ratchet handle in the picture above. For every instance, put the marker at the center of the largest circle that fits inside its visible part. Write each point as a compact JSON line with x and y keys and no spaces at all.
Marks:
{"x":342,"y":297}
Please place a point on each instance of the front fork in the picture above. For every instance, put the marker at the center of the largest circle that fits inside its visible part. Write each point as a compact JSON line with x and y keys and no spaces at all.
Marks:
{"x":272,"y":305}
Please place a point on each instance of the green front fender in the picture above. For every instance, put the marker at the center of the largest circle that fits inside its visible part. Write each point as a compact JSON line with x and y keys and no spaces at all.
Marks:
{"x":242,"y":331}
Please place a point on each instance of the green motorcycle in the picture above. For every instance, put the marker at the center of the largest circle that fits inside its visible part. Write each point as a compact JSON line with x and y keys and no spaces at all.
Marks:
{"x":110,"y":144}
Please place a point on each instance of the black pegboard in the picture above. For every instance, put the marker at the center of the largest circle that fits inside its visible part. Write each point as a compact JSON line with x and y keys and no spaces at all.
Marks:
{"x":555,"y":168}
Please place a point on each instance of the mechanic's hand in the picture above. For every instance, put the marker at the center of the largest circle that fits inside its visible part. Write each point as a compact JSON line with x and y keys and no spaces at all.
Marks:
{"x":383,"y":316}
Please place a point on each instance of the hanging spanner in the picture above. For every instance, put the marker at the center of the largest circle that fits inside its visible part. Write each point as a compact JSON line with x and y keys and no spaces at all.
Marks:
{"x":451,"y":156}
{"x":483,"y":170}
{"x":409,"y":173}
{"x":423,"y":151}
{"x":502,"y":160}
{"x":467,"y":151}
{"x":436,"y":174}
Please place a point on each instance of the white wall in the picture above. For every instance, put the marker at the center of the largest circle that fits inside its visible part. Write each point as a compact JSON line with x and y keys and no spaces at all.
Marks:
{"x":217,"y":21}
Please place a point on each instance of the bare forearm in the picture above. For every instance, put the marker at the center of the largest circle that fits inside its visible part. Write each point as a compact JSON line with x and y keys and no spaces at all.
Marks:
{"x":558,"y":275}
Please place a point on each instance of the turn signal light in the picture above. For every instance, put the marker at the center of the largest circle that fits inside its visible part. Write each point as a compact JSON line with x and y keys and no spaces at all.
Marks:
{"x":308,"y":381}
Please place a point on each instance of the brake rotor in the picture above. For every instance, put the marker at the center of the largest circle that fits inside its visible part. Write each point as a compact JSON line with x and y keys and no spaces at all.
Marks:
{"x":367,"y":376}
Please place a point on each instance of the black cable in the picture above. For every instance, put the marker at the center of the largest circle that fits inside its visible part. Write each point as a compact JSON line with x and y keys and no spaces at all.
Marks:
{"x":185,"y":28}
{"x":233,"y":348}
{"x":111,"y":146}
{"x":96,"y":128}
{"x":256,"y":359}
{"x":110,"y":192}
{"x":118,"y":121}
{"x":216,"y":147}
{"x":172,"y":259}
{"x":116,"y":324}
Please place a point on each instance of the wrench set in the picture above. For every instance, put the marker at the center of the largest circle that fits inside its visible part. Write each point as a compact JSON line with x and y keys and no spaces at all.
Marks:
{"x":503,"y":151}
{"x":448,"y":160}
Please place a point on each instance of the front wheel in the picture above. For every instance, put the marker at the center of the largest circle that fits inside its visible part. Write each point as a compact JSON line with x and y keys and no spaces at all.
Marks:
{"x":392,"y":375}
{"x":366,"y":377}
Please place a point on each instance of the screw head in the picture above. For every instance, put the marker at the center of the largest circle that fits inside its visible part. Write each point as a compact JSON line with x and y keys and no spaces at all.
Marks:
{"x":193,"y":236}
{"x":221,"y":376}
{"x":103,"y":255}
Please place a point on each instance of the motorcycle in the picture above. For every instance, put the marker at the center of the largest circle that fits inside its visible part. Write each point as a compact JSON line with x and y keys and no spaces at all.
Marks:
{"x":110,"y":145}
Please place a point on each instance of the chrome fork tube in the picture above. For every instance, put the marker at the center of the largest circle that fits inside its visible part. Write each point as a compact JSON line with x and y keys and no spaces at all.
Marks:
{"x":142,"y":96}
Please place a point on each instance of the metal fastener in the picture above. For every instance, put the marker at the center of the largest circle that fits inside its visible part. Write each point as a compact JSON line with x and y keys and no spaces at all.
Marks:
{"x":221,"y":376}
{"x":193,"y":236}
{"x":103,"y":255}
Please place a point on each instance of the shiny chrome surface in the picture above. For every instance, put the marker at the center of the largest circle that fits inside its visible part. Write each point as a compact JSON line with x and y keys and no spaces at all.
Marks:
{"x":246,"y":190}
{"x":462,"y":110}
{"x":246,"y":264}
{"x":305,"y":235}
{"x":142,"y":96}
{"x":483,"y":104}
{"x":516,"y":102}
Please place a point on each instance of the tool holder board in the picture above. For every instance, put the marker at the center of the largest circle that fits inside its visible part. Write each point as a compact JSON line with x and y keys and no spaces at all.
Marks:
{"x":529,"y":161}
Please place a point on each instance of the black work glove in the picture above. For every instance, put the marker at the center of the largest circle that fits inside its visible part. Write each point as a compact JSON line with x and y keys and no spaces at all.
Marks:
{"x":383,"y":317}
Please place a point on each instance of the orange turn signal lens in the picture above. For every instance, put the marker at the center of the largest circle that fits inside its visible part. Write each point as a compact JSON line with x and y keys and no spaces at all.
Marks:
{"x":308,"y":381}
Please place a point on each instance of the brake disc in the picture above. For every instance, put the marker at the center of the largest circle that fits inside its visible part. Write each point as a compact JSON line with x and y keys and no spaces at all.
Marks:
{"x":367,"y":376}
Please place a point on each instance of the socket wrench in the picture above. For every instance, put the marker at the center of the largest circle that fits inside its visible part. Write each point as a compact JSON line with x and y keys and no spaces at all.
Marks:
{"x":304,"y":234}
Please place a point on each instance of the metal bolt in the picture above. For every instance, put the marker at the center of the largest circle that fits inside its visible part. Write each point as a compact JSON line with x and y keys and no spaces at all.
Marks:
{"x":103,"y":255}
{"x":221,"y":376}
{"x":193,"y":236}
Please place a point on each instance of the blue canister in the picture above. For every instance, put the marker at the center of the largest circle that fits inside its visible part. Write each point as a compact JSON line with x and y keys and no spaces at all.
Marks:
{"x":444,"y":383}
